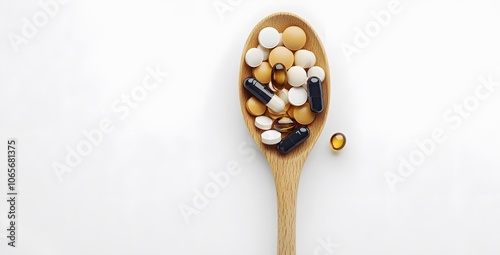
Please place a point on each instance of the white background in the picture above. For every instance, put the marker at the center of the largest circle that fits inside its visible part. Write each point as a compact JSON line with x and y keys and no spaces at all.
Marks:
{"x":124,"y":197}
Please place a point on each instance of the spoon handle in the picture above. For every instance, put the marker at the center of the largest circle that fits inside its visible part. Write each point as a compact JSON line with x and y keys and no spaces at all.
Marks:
{"x":286,"y":179}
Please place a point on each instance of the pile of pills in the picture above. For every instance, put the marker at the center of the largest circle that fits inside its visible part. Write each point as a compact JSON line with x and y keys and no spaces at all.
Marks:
{"x":285,"y":86}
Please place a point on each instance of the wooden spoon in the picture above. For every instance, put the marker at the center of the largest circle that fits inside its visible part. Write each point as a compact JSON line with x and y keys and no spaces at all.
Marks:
{"x":286,"y":167}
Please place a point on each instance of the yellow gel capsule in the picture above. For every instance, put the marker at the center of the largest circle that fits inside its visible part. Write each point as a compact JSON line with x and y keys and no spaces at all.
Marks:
{"x":337,"y":142}
{"x":278,"y":76}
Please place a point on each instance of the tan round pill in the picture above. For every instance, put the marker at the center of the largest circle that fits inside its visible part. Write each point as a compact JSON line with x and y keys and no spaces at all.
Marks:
{"x":281,"y":55}
{"x":303,"y":114}
{"x":290,"y":111}
{"x":263,"y":72}
{"x":255,"y":107}
{"x":294,"y":37}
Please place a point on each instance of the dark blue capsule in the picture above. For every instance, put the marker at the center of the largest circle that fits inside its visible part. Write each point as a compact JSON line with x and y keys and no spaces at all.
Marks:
{"x":292,"y":140}
{"x":260,"y":91}
{"x":315,"y":94}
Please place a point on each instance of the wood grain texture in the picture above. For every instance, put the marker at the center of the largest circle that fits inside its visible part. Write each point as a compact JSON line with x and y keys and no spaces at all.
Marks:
{"x":286,"y":167}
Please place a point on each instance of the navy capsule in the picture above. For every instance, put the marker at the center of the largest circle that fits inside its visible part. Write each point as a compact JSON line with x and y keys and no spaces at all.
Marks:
{"x":264,"y":95}
{"x":315,"y":94}
{"x":292,"y":140}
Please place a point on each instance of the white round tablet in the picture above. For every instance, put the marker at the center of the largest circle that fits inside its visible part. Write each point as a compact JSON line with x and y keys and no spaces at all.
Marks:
{"x":263,"y":122}
{"x":283,"y":94}
{"x":313,"y":59}
{"x":265,"y":52}
{"x":316,"y":71}
{"x":304,"y":58}
{"x":269,"y":37}
{"x":270,"y":137}
{"x":254,"y":57}
{"x":296,"y":76}
{"x":297,"y":96}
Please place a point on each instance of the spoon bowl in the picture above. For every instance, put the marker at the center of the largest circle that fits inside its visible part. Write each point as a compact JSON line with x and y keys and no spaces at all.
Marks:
{"x":286,"y":168}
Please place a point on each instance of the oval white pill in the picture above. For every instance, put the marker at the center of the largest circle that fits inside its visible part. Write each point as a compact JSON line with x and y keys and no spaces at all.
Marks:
{"x":254,"y":57}
{"x":269,"y":37}
{"x":283,"y":94}
{"x":304,"y":58}
{"x":270,"y":137}
{"x":316,"y":71}
{"x":296,"y":76}
{"x":297,"y":96}
{"x":265,"y":52}
{"x":263,"y":122}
